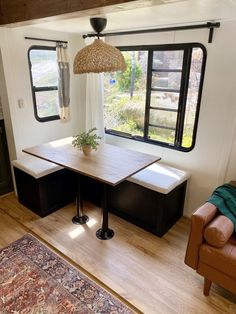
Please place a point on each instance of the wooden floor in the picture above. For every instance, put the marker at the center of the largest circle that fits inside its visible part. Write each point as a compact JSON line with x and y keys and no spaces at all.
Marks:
{"x":146,"y":270}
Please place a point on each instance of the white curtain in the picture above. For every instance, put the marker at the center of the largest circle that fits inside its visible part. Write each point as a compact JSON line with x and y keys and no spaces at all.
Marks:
{"x":94,"y":100}
{"x":63,"y":81}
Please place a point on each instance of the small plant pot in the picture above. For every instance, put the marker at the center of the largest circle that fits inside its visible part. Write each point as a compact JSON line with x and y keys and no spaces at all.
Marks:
{"x":86,"y":149}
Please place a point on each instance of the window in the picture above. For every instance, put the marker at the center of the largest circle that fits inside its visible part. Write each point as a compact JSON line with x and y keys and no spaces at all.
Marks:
{"x":157,"y":98}
{"x":44,"y":82}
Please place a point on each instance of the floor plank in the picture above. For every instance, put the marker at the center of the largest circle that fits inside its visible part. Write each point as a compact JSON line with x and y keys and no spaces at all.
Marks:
{"x":147,"y":271}
{"x":10,"y":231}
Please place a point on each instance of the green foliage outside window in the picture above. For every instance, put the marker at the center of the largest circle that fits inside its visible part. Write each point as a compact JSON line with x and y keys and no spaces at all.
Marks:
{"x":133,"y":71}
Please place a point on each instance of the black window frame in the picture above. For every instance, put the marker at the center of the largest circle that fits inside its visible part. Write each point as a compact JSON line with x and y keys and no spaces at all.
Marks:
{"x":183,"y":92}
{"x":40,"y":89}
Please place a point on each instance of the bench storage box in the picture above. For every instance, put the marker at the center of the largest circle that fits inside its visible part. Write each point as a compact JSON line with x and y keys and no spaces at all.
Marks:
{"x":153,"y":198}
{"x":43,"y":186}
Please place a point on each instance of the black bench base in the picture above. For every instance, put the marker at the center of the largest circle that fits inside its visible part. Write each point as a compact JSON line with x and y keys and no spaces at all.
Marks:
{"x":46,"y":194}
{"x":148,"y":209}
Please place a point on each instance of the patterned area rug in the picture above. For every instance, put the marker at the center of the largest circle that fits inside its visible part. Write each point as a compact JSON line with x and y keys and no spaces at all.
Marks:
{"x":33,"y":279}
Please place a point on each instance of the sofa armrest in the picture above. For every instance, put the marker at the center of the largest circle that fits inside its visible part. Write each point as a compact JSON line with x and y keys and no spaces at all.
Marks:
{"x":199,"y":220}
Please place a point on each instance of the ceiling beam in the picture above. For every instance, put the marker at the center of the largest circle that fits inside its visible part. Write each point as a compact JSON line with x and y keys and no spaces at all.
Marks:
{"x":25,"y":12}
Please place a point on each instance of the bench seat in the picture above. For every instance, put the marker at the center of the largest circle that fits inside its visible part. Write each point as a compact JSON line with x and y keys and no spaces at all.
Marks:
{"x":152,"y":198}
{"x":160,"y":178}
{"x":43,"y":186}
{"x":34,"y":166}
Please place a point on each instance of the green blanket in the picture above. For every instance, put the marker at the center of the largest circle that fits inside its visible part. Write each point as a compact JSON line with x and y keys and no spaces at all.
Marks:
{"x":224,"y":198}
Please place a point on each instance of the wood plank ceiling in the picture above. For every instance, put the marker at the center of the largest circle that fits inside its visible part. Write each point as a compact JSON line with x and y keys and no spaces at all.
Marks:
{"x":25,"y":12}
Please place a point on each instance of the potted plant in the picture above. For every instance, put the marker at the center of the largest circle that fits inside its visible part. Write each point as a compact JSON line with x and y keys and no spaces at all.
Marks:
{"x":86,"y":141}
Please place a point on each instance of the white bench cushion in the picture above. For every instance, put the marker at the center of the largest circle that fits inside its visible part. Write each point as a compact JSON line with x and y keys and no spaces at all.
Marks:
{"x":160,"y":178}
{"x":34,"y":166}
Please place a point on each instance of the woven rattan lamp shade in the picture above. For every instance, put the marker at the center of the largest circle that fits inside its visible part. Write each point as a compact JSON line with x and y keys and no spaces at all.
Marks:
{"x":99,"y":57}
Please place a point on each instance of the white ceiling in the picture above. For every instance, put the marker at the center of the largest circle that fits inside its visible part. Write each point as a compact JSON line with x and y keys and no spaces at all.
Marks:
{"x":168,"y":13}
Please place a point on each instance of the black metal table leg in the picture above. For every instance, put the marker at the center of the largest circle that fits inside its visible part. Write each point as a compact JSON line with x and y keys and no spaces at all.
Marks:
{"x":80,"y":218}
{"x":104,"y":233}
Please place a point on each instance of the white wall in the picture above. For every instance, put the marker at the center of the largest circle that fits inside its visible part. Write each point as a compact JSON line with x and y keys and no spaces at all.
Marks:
{"x":231,"y":164}
{"x":27,"y":131}
{"x":213,"y":155}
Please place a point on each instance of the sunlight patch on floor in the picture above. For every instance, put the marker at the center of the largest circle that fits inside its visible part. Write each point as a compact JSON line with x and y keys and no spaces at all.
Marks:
{"x":91,"y":222}
{"x":80,"y":229}
{"x":76,"y":232}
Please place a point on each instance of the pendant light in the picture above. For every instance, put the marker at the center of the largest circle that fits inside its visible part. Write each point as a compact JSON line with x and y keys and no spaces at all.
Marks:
{"x":99,"y":56}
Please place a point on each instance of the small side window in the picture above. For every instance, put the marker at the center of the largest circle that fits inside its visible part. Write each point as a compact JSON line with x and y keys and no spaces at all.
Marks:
{"x":44,"y":82}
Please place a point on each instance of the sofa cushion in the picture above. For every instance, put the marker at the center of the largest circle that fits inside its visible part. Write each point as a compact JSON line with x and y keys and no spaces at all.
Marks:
{"x":218,"y":232}
{"x":34,"y":166}
{"x":222,"y":259}
{"x":160,"y":178}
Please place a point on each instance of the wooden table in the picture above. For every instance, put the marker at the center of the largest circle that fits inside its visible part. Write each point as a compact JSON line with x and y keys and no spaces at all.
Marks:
{"x":109,"y":164}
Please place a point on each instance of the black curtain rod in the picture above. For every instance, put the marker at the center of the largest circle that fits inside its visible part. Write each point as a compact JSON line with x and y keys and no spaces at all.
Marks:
{"x":208,"y":25}
{"x":51,"y":40}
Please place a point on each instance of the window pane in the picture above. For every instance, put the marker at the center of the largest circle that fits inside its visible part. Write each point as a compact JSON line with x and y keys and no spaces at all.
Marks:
{"x":44,"y":67}
{"x":169,"y":80}
{"x":163,"y":118}
{"x":168,"y":59}
{"x":161,"y":135}
{"x":167,"y":100}
{"x":125,"y":95}
{"x":47,"y":103}
{"x":192,"y":98}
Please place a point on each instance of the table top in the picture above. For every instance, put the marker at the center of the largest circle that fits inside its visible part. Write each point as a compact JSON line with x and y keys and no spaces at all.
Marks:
{"x":109,"y":164}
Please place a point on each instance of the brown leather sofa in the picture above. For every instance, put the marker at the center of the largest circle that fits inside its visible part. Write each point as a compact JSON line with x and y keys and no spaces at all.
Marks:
{"x":211,"y":249}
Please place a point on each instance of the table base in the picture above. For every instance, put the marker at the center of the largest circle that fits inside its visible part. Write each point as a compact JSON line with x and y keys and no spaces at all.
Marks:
{"x":104,"y":234}
{"x":80,"y":220}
